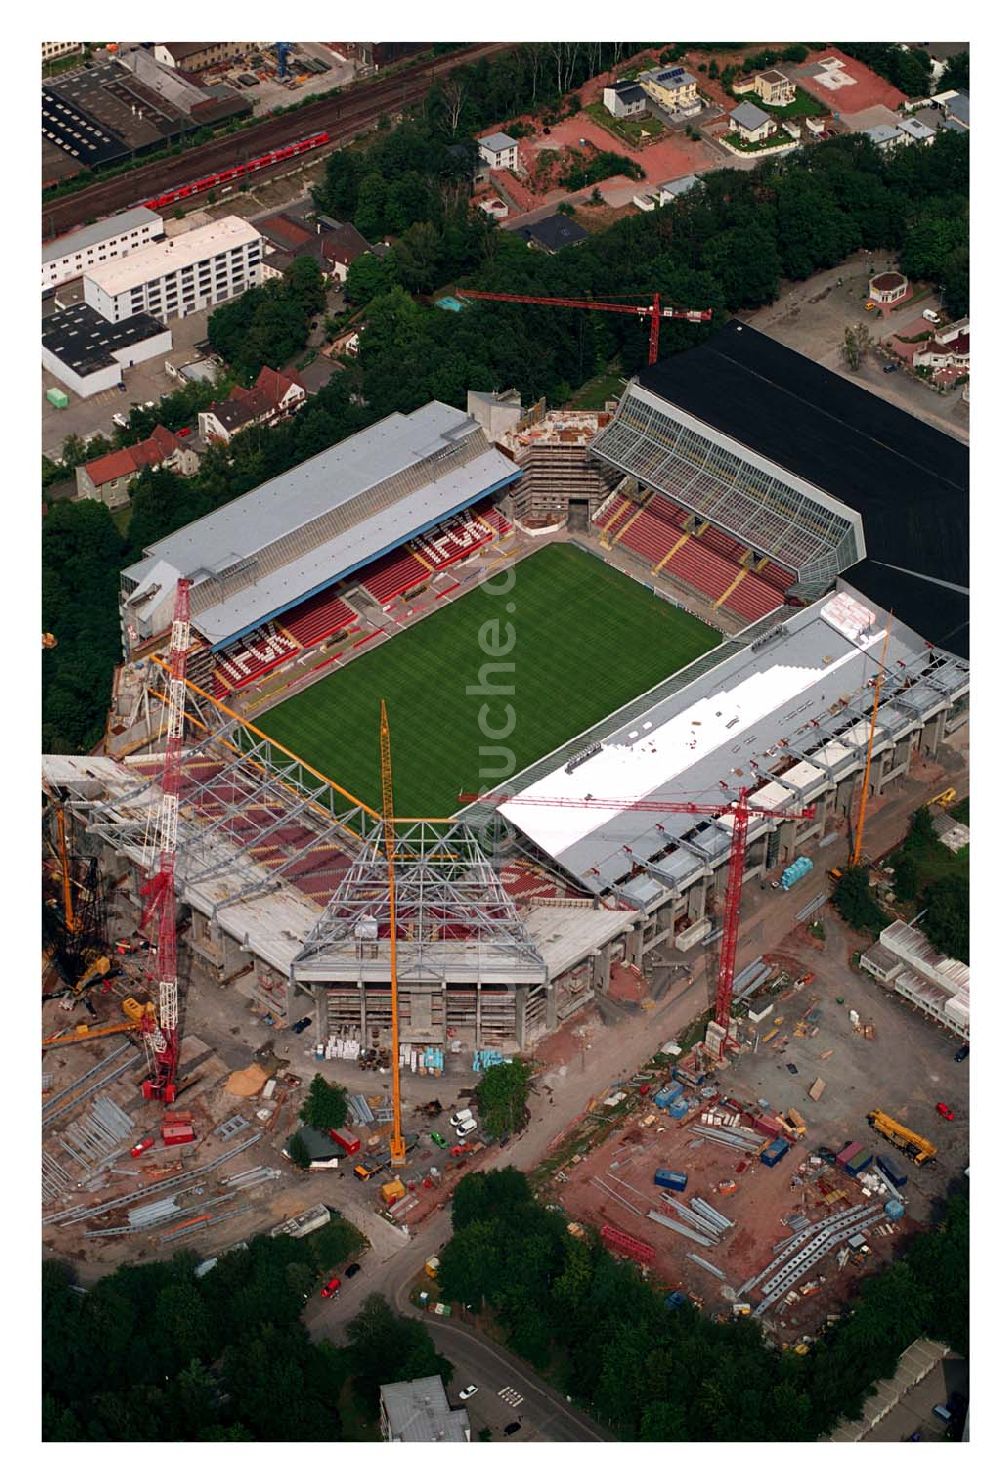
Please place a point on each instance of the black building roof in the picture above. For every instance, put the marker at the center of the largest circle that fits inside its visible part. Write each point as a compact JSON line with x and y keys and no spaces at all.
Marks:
{"x":553,"y":232}
{"x":909,"y":482}
{"x":85,"y":341}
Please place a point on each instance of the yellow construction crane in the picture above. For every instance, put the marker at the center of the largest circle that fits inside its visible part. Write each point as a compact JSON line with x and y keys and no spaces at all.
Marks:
{"x":397,"y":1144}
{"x":863,"y":806}
{"x":69,"y":917}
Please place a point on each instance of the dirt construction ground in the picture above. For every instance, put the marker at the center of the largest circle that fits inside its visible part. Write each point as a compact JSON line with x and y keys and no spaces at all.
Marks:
{"x":901,"y":1062}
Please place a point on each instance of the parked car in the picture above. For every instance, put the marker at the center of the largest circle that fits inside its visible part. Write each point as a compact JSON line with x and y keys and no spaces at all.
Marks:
{"x":945,"y":1111}
{"x":462,"y":1115}
{"x":466,"y":1129}
{"x":184,"y":431}
{"x":889,"y":368}
{"x":332,"y":1287}
{"x":121,"y":421}
{"x":468,"y":1391}
{"x":301,"y":1025}
{"x":352,"y":1270}
{"x":961,"y":1053}
{"x":512,"y":1428}
{"x":789,"y":1066}
{"x":439,"y":1140}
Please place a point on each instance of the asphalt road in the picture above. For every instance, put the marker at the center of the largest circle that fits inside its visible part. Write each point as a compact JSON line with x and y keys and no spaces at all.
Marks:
{"x":542,"y":1412}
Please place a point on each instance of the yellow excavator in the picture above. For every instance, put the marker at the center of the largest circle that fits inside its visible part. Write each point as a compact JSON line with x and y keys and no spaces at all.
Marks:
{"x":137,"y":1014}
{"x":921,"y":1150}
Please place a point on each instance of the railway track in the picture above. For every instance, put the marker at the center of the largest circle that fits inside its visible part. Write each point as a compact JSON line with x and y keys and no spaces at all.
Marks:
{"x":343,"y":116}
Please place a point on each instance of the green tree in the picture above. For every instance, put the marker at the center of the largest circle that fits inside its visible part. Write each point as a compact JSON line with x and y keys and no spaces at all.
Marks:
{"x":371,"y":276}
{"x":946,"y":921}
{"x":854,"y":900}
{"x":503,"y":1097}
{"x":370,"y":214}
{"x":384,"y":1348}
{"x":298,"y":1152}
{"x":304,"y":285}
{"x":325,"y":1105}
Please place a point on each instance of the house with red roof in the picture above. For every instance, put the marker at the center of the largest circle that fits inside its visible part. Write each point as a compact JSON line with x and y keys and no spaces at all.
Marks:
{"x":274,"y":397}
{"x":108,"y":478}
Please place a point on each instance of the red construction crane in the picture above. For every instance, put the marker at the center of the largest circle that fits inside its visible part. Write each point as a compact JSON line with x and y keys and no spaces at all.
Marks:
{"x":160,"y":1034}
{"x":741,"y":812}
{"x":654,"y":311}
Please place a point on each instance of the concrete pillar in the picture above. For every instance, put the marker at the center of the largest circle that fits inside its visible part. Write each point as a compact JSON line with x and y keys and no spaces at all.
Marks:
{"x":479,"y":1012}
{"x":696,"y":899}
{"x":520,"y":999}
{"x":633,"y":947}
{"x":362,"y":997}
{"x":551,"y":1013}
{"x":602,"y":969}
{"x":321,"y":1000}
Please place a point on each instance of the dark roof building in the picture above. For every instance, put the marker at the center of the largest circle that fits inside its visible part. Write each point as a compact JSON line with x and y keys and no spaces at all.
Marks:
{"x":86,"y":352}
{"x":553,"y":233}
{"x":909,"y":482}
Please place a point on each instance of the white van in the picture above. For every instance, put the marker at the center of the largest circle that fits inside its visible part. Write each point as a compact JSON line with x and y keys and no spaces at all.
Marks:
{"x":930,"y":316}
{"x":463,"y":1115}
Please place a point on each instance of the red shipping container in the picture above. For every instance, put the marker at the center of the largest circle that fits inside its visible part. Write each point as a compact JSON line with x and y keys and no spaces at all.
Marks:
{"x":346,"y":1140}
{"x":176,"y":1133}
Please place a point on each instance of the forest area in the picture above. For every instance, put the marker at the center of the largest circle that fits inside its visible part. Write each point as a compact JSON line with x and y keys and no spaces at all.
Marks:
{"x":726,"y":246}
{"x":593,"y":1326}
{"x":155,"y":1352}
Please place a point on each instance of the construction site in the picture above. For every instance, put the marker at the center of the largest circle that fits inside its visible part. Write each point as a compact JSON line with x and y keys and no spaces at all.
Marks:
{"x":224,"y":920}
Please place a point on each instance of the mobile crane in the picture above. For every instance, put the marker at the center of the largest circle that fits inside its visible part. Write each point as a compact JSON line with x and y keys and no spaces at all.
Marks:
{"x":921,"y":1150}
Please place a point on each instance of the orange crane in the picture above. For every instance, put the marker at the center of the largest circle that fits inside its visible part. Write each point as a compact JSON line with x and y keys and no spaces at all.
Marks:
{"x":859,"y":833}
{"x":138,"y":1017}
{"x":69,"y":916}
{"x":655,"y":311}
{"x":740,"y":809}
{"x":397,"y":1143}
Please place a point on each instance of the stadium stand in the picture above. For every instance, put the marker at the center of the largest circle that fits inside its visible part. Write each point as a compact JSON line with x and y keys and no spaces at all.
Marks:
{"x":394,"y":575}
{"x":740,"y":397}
{"x":251,"y":658}
{"x":459,"y":537}
{"x":318,"y":618}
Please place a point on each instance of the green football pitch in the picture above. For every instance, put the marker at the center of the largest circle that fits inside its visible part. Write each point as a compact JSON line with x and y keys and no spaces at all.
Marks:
{"x":585,"y":638}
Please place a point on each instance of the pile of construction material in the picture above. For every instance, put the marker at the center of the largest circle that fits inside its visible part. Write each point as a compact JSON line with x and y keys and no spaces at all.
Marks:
{"x":697,"y":1221}
{"x":805,"y":1248}
{"x":483,"y":1059}
{"x":425,"y":1061}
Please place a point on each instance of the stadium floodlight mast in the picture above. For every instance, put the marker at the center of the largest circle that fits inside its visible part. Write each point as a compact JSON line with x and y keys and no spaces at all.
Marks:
{"x":741,"y":811}
{"x":655,"y":311}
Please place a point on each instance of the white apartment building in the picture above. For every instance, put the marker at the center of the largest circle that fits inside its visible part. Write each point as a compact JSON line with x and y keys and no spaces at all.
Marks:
{"x":70,"y":256}
{"x":52,"y":49}
{"x":499,"y":151}
{"x":171,"y":279}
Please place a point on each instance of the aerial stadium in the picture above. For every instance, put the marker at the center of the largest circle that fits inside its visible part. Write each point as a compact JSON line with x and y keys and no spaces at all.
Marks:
{"x":702,"y":579}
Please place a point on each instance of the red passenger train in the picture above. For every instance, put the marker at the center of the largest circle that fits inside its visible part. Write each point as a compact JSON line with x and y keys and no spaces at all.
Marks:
{"x":223,"y":177}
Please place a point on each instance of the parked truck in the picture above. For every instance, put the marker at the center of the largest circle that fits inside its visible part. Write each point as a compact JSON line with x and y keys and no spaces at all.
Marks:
{"x":921,"y":1150}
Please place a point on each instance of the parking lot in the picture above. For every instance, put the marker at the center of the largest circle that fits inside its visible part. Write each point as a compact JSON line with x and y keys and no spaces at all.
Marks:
{"x":147,"y":381}
{"x":811,"y":316}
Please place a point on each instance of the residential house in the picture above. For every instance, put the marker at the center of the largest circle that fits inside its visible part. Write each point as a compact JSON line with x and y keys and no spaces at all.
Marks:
{"x":673,"y":89}
{"x":274,"y":397}
{"x":347,"y":342}
{"x":418,"y":1410}
{"x":751,"y":123}
{"x":887,"y":137}
{"x":499,"y":151}
{"x":108,"y":478}
{"x":957,"y":109}
{"x":917,"y":131}
{"x":625,"y":100}
{"x":493,"y":208}
{"x":552,"y":233}
{"x":332,"y":244}
{"x":774,"y":89}
{"x":947,"y":350}
{"x":675,"y":187}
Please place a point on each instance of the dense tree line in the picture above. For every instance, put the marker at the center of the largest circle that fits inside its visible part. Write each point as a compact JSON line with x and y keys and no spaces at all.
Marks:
{"x":153,"y":1352}
{"x":651,"y":1373}
{"x":943,"y":900}
{"x":270,"y":323}
{"x":908,"y":68}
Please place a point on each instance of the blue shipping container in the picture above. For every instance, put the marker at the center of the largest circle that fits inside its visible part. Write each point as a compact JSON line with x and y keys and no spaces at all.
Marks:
{"x":774,"y":1152}
{"x":892,"y":1170}
{"x":670,"y":1179}
{"x":795,"y":872}
{"x":894,"y":1210}
{"x":661,"y":1100}
{"x":675,"y":1300}
{"x":680,"y":1108}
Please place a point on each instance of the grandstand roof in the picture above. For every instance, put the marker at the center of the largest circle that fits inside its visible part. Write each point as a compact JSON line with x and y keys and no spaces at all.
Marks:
{"x":909,"y":482}
{"x":802,"y":694}
{"x":302,"y":531}
{"x":754,"y":498}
